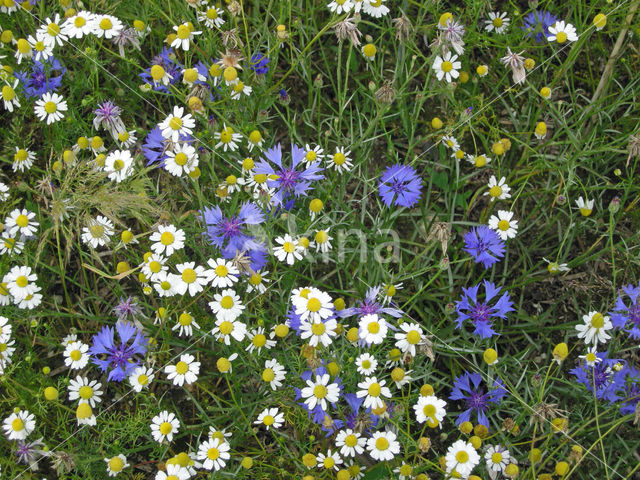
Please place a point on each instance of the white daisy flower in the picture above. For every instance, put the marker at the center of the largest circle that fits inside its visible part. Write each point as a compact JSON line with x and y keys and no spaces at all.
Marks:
{"x":51,"y":31}
{"x":127,"y":138}
{"x":329,"y":461}
{"x":239,"y":89}
{"x":461,"y":457}
{"x":5,"y":329}
{"x":194,"y":278}
{"x":106,"y":26}
{"x":119,"y":165}
{"x":319,"y":392}
{"x":383,"y":446}
{"x":226,"y":305}
{"x":41,"y":49}
{"x":166,"y":284}
{"x":184,"y":36}
{"x":317,"y":332}
{"x":270,"y":418}
{"x":322,"y":241}
{"x":591,"y":358}
{"x":23,"y":50}
{"x":185,"y":371}
{"x":227,"y":329}
{"x":372,"y":329}
{"x":316,"y":305}
{"x":314,"y":154}
{"x":430,"y":408}
{"x":340,"y":6}
{"x":79,"y":25}
{"x":154,"y":264}
{"x":373,"y":391}
{"x":76,"y":356}
{"x":259,"y":340}
{"x":9,"y":96}
{"x":20,"y":282}
{"x":409,"y":337}
{"x":340,"y":161}
{"x":594,"y":329}
{"x":116,"y":464}
{"x":289,"y":251}
{"x":50,"y":107}
{"x":227,"y":139}
{"x":447,"y":67}
{"x":451,"y":142}
{"x":351,"y":443}
{"x":140,"y":378}
{"x":498,"y":22}
{"x":85,"y":390}
{"x":273,"y":373}
{"x":18,"y":426}
{"x":366,"y":364}
{"x":223,"y":273}
{"x":586,"y":207}
{"x":31,"y":301}
{"x":84,"y":414}
{"x":257,"y":282}
{"x":555,"y":267}
{"x":98,"y":232}
{"x":10,"y":244}
{"x":21,"y":222}
{"x":167,"y":239}
{"x":478,"y":161}
{"x":211,"y":17}
{"x":4,"y":192}
{"x":504,"y":225}
{"x":215,"y":453}
{"x":182,"y":160}
{"x":173,"y":472}
{"x":375,"y":8}
{"x":497,"y":458}
{"x":177,"y":124}
{"x":185,"y":324}
{"x":562,"y":32}
{"x":498,"y":190}
{"x":164,"y":425}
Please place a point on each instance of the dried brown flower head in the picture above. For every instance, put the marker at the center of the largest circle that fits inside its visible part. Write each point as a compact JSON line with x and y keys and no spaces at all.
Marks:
{"x":386,"y":93}
{"x":403,"y":27}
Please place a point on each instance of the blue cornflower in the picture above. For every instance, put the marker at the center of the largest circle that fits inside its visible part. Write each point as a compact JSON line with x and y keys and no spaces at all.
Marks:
{"x":628,"y":317}
{"x":171,"y":67}
{"x":123,"y":356}
{"x":484,"y":245}
{"x":258,"y":64}
{"x":628,"y":389}
{"x":468,"y":387}
{"x":155,"y":146}
{"x":365,"y":417}
{"x":41,"y":79}
{"x":602,"y":376}
{"x":292,"y":181}
{"x":400,"y":185}
{"x":370,"y":306}
{"x":537,"y":23}
{"x":231,"y":234}
{"x":481,"y":312}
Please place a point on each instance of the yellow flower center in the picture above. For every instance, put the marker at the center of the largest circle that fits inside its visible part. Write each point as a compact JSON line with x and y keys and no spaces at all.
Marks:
{"x":23,"y":46}
{"x":22,"y":281}
{"x":318,"y":328}
{"x":175,"y":123}
{"x":155,"y":266}
{"x":226,"y":302}
{"x":8,"y":93}
{"x":85,"y":392}
{"x":22,"y":221}
{"x":495,"y":191}
{"x":320,"y":391}
{"x":75,"y":355}
{"x":116,"y":464}
{"x":226,"y":135}
{"x":413,"y":337}
{"x":83,"y":411}
{"x":223,"y":364}
{"x":497,"y":22}
{"x":591,"y":357}
{"x":167,"y":238}
{"x":268,"y":375}
{"x":382,"y":443}
{"x":322,"y":237}
{"x":268,"y":420}
{"x":366,"y":364}
{"x":53,"y":29}
{"x":462,"y":456}
{"x":351,"y":440}
{"x":50,"y":107}
{"x":373,"y":327}
{"x":17,"y":425}
{"x":143,"y":379}
{"x":374,"y":389}
{"x":447,"y":66}
{"x":226,"y":328}
{"x":165,"y":285}
{"x":182,"y":367}
{"x":212,"y":14}
{"x":157,"y":72}
{"x":230,"y":74}
{"x":255,"y":279}
{"x":213,"y":453}
{"x":181,"y":159}
{"x":79,"y":22}
{"x":105,"y":24}
{"x":185,"y":319}
{"x":165,"y":428}
{"x":561,"y":37}
{"x":328,"y":463}
{"x":311,"y":156}
{"x":183,"y":32}
{"x":480,"y":161}
{"x":496,"y":457}
{"x":189,"y":275}
{"x":118,"y":164}
{"x":313,"y":304}
{"x":503,"y":225}
{"x":289,"y":247}
{"x":259,"y":340}
{"x":597,"y":321}
{"x":96,"y":231}
{"x":20,"y":156}
{"x":429,"y":410}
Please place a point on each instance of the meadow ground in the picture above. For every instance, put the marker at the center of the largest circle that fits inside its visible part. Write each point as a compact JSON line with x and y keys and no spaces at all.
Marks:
{"x":319,"y":240}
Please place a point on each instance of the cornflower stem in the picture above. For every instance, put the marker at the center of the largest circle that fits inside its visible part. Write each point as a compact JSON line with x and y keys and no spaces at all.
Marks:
{"x":597,"y":418}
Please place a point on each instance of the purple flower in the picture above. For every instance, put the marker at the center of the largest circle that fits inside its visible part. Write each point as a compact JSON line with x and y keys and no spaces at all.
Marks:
{"x":400,"y":185}
{"x":259,"y":64}
{"x":231,"y":234}
{"x":484,"y":245}
{"x":107,"y":115}
{"x":469,"y":307}
{"x":467,"y":387}
{"x":537,"y":23}
{"x":292,"y":181}
{"x":602,"y":376}
{"x":155,"y":146}
{"x":624,"y":316}
{"x":31,"y":452}
{"x":369,"y":306}
{"x":170,"y":66}
{"x":123,"y":356}
{"x":40,"y":79}
{"x":127,"y":308}
{"x":628,"y":389}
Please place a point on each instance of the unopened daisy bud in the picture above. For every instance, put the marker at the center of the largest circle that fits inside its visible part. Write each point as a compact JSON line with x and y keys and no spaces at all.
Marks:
{"x":561,"y":468}
{"x":481,"y":431}
{"x":490,"y":356}
{"x":464,"y":77}
{"x":444,"y":17}
{"x":352,"y":335}
{"x":535,"y":455}
{"x":506,"y":143}
{"x":466,"y":427}
{"x":309,"y":460}
{"x":195,"y":173}
{"x":281,"y":330}
{"x":599,"y":21}
{"x":511,"y":470}
{"x":369,"y":51}
{"x":316,"y":205}
{"x":545,"y":92}
{"x":122,"y":267}
{"x":482,"y":70}
{"x":560,"y":352}
{"x":195,"y":104}
{"x":281,"y":32}
{"x":343,"y":475}
{"x":560,"y":424}
{"x":51,"y":393}
{"x":476,"y":441}
{"x":139,"y":25}
{"x":339,"y":304}
{"x":247,"y":463}
{"x":426,"y":390}
{"x":529,"y":63}
{"x":333,"y":368}
{"x":57,"y":166}
{"x":223,"y":364}
{"x":46,"y":370}
{"x":497,"y":148}
{"x":541,"y":130}
{"x":436,"y":123}
{"x":6,"y":36}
